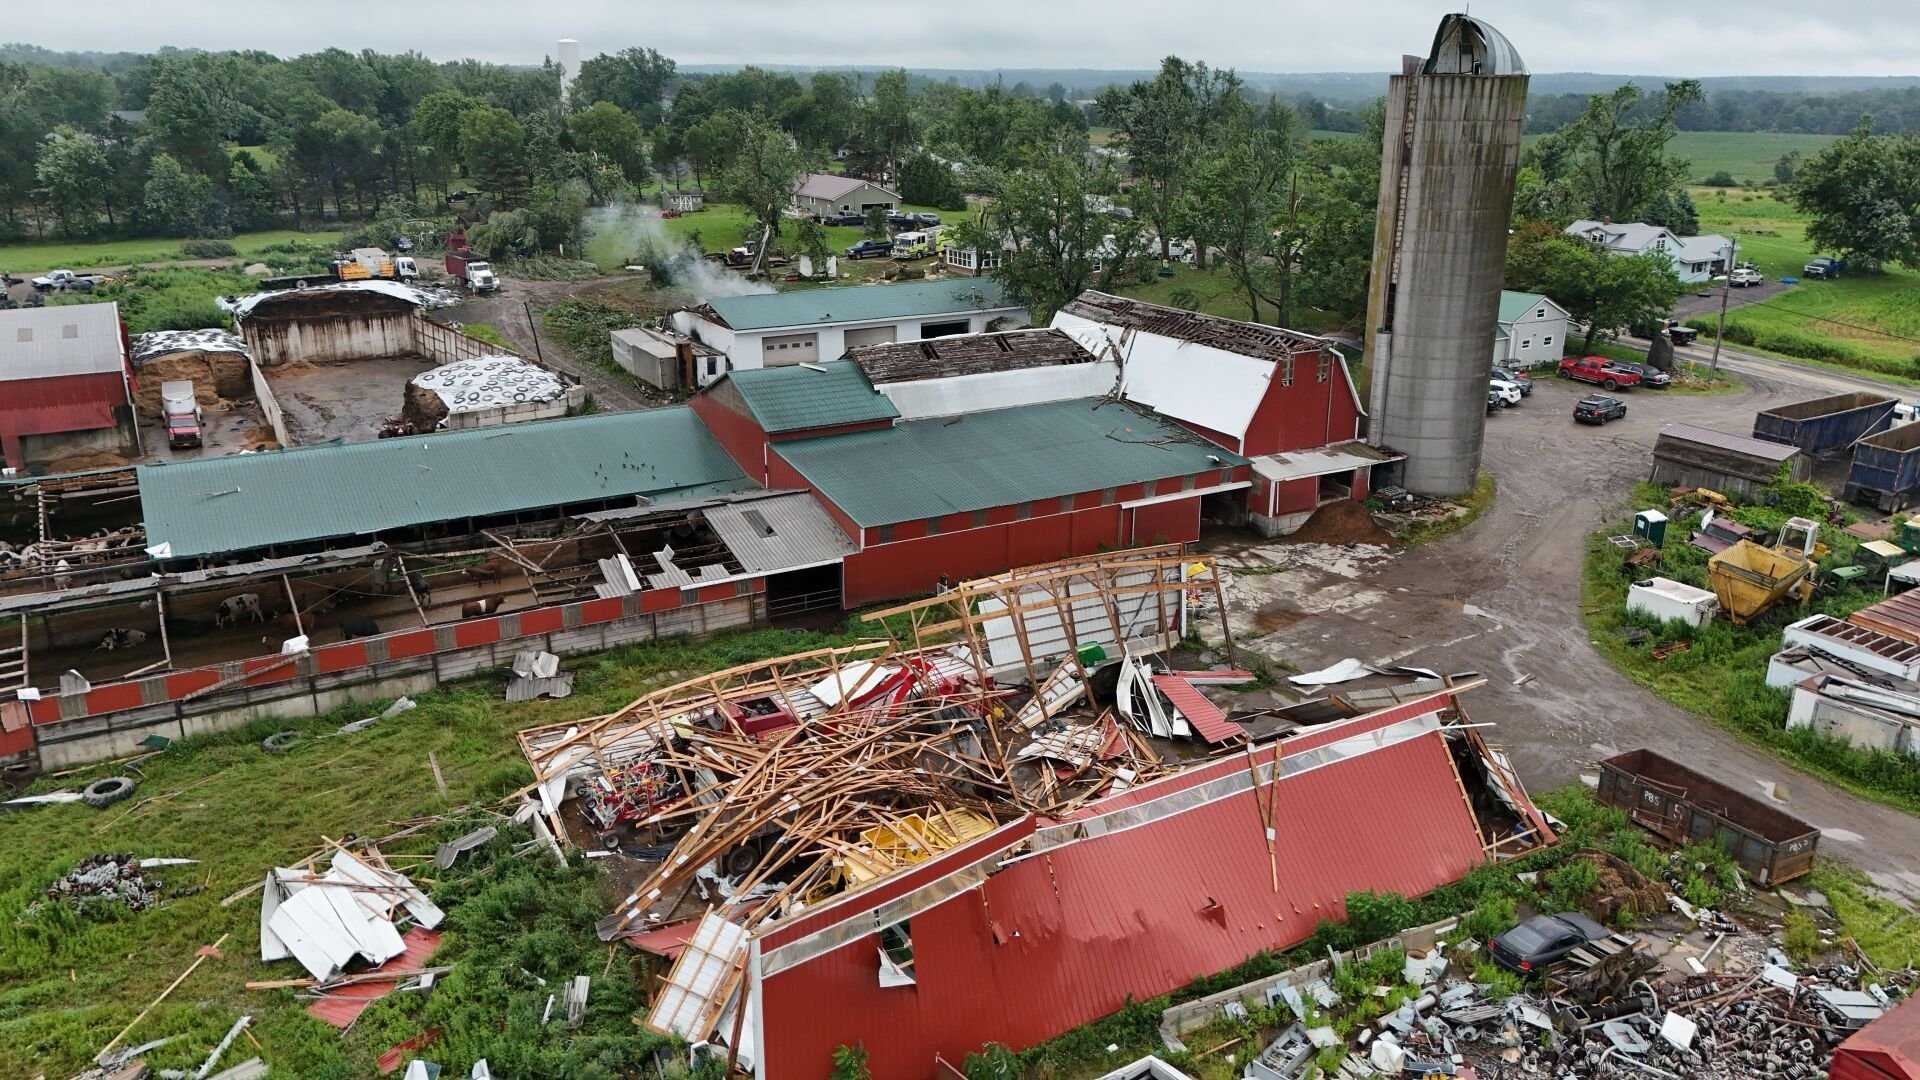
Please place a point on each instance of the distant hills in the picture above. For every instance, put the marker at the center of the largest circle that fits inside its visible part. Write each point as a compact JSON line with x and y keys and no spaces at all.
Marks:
{"x":1346,"y":87}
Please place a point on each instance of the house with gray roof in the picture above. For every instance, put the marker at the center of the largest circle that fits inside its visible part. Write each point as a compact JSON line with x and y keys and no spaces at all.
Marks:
{"x":820,"y":194}
{"x":1695,"y":258}
{"x":1531,"y":331}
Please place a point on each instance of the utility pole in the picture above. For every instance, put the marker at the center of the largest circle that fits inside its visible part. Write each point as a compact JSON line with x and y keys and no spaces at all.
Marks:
{"x":1726,"y":289}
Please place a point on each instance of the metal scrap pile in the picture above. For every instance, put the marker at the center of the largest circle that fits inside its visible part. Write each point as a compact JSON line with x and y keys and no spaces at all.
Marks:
{"x":108,"y":881}
{"x":1772,"y":1025}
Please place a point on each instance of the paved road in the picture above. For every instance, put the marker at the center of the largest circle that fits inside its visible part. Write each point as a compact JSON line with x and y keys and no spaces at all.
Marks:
{"x":1503,"y":598}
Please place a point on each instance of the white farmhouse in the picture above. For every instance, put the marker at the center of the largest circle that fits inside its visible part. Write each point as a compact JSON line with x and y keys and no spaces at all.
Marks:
{"x":1695,"y":258}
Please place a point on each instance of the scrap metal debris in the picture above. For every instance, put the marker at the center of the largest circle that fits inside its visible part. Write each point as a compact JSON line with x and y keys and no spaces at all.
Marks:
{"x":110,"y":881}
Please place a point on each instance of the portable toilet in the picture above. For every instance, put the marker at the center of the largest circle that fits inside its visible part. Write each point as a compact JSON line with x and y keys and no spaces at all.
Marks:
{"x":1651,"y":526}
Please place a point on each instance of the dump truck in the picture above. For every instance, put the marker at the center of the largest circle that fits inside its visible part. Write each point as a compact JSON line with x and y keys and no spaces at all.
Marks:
{"x":475,"y":274}
{"x":1749,"y":578}
{"x":1826,"y":425}
{"x":360,"y":264}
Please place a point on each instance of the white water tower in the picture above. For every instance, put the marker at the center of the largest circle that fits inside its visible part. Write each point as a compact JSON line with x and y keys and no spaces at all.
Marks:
{"x":569,"y":65}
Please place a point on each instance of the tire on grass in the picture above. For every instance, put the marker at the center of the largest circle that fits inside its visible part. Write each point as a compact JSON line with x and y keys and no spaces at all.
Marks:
{"x":280,"y":742}
{"x":104,"y":793}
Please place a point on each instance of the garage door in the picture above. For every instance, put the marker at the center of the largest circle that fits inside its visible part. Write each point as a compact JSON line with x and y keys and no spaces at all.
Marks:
{"x":872,"y":335}
{"x":790,"y":349}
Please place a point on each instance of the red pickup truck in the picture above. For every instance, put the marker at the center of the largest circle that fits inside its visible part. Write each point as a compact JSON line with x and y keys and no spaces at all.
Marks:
{"x":1594,"y":369}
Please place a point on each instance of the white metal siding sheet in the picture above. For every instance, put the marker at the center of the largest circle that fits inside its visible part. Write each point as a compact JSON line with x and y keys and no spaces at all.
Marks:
{"x":69,"y":339}
{"x":802,"y":533}
{"x":1213,"y":388}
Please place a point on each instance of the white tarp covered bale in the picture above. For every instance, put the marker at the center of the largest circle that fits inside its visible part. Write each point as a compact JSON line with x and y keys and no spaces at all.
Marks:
{"x":1669,"y":600}
{"x":479,"y":385}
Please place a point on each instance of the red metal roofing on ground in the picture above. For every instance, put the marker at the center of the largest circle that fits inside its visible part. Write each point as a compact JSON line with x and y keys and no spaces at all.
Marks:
{"x":1208,"y":721}
{"x":667,"y":941}
{"x":343,"y":1006}
{"x":1061,"y":938}
{"x":1887,"y":1049}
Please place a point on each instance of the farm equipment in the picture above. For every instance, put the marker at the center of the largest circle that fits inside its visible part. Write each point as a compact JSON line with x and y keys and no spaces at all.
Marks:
{"x":1748,"y":578}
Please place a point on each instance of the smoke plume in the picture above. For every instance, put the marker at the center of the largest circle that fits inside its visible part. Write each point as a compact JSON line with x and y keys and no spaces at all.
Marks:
{"x":629,"y":234}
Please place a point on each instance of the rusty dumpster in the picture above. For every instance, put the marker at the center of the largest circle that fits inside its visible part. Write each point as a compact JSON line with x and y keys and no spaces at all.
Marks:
{"x":1684,"y":806}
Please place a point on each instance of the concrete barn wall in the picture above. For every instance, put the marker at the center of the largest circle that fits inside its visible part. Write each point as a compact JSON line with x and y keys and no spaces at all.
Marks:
{"x":329,"y":338}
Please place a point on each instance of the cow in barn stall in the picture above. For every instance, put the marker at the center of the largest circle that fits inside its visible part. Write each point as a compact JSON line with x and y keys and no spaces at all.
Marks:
{"x":120,"y":637}
{"x":236,"y":607}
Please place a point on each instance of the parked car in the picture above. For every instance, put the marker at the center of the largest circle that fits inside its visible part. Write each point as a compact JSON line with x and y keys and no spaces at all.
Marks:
{"x":848,"y":218}
{"x":1543,"y":941}
{"x":1598,"y":409}
{"x":1681,"y":335}
{"x":870,"y":249}
{"x":1649,"y":375}
{"x":1493,"y":399}
{"x":1822,"y":267}
{"x":1507,"y":393}
{"x":899,"y":220}
{"x":1518,"y":378}
{"x":1745,"y":277}
{"x":924,"y":219}
{"x":1599,"y":371}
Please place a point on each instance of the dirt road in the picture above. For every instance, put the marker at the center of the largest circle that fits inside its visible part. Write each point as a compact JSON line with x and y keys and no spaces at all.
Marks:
{"x":1503,"y":598}
{"x":515,"y":310}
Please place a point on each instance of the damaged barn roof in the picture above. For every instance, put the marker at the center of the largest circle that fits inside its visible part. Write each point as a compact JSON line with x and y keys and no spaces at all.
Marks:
{"x":420,"y":296}
{"x":1231,"y":335}
{"x":248,"y":501}
{"x":967,"y":354}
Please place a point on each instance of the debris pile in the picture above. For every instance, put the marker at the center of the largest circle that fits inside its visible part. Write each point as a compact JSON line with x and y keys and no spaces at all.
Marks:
{"x":110,"y":881}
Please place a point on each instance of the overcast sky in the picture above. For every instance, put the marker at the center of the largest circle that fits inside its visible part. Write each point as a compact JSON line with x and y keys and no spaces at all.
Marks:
{"x":1752,"y":37}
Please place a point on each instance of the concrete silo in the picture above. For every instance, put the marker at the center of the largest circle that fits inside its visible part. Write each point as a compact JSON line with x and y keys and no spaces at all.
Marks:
{"x":1453,"y":125}
{"x":569,"y":60}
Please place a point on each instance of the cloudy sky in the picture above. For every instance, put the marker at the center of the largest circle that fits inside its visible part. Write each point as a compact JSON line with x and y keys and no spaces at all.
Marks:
{"x":1775,"y":37}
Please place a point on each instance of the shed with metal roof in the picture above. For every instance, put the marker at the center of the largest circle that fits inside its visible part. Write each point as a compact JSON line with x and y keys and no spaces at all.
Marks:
{"x":1688,"y":455}
{"x":808,"y":396}
{"x":249,"y":502}
{"x":64,"y":383}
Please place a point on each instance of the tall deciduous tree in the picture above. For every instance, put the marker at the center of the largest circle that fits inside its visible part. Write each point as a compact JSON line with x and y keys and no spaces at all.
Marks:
{"x":1050,"y":217}
{"x":635,"y":79}
{"x":612,"y":134}
{"x":73,"y":169}
{"x":1863,"y":196}
{"x":494,"y":146}
{"x":762,"y":171}
{"x":179,"y":200}
{"x":1619,"y":163}
{"x":1162,"y":124}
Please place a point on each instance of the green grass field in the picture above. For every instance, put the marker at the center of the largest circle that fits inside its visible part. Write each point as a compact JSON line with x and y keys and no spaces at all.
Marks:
{"x":36,"y":258}
{"x":69,"y":982}
{"x":1869,"y":321}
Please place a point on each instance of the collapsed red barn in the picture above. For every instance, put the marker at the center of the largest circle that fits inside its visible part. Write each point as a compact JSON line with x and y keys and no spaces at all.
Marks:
{"x":1042,"y":926}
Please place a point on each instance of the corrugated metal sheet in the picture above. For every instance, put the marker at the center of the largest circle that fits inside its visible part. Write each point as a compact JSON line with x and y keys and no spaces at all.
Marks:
{"x":1197,"y":381}
{"x":251,"y":501}
{"x":60,"y":403}
{"x":62,"y":339}
{"x":988,"y":390}
{"x":776,"y":533}
{"x":1887,"y":1049}
{"x":343,"y":1006}
{"x":1058,"y":939}
{"x":1721,"y":440}
{"x":967,"y":354}
{"x":860,"y":303}
{"x":931,"y":468}
{"x":800,"y":397}
{"x":1208,"y":721}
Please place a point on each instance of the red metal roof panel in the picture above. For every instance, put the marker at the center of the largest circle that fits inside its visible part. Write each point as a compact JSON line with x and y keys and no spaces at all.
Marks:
{"x":61,"y":403}
{"x":1208,"y":721}
{"x":341,"y":1007}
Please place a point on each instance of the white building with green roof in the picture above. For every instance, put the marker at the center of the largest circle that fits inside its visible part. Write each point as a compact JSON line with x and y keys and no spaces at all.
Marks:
{"x":805,"y":326}
{"x":1532,"y":331}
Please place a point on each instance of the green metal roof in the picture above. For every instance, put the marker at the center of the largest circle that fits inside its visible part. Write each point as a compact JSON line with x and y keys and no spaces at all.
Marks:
{"x":1515,"y":304}
{"x":928,"y":468}
{"x":862,"y":303}
{"x":248,"y":501}
{"x":799,"y":397}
